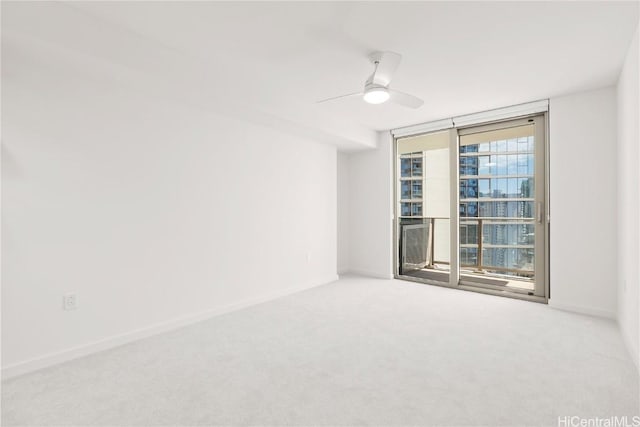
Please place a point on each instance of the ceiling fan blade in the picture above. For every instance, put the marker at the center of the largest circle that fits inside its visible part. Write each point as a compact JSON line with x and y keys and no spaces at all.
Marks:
{"x":338,"y":97}
{"x":405,"y":99}
{"x":387,"y":64}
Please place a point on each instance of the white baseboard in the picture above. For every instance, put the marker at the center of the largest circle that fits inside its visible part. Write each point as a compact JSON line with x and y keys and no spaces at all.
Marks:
{"x":51,"y":359}
{"x":582,"y":310}
{"x":633,"y":351}
{"x":370,"y":274}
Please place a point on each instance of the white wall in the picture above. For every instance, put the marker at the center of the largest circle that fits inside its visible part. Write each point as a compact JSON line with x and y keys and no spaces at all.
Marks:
{"x":149,"y":211}
{"x":628,"y":194}
{"x":583,"y":265}
{"x":343,"y":212}
{"x":370,"y":210}
{"x":437,"y":195}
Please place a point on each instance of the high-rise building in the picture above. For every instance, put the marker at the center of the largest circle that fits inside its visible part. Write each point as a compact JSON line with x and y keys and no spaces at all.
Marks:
{"x":496,"y":195}
{"x":411,"y":184}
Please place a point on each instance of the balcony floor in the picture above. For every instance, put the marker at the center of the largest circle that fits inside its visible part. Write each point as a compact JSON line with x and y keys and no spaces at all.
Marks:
{"x":441,"y":275}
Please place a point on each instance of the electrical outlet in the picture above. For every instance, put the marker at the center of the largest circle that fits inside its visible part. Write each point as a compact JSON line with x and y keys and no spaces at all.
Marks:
{"x":70,"y":301}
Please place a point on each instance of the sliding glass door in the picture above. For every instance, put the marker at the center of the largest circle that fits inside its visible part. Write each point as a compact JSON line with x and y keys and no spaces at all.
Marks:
{"x":501,"y":183}
{"x":424,"y":204}
{"x":470,"y":208}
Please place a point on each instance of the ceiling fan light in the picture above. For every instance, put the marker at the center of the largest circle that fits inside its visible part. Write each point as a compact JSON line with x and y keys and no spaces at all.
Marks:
{"x":376,"y":95}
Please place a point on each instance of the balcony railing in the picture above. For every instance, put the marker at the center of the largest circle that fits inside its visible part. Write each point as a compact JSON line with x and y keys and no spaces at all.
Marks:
{"x":524,"y":242}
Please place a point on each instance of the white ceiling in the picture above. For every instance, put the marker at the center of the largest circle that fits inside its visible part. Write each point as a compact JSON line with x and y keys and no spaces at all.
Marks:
{"x":269,"y":62}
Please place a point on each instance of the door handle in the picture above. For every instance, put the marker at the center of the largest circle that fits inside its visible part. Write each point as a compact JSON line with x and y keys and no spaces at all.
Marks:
{"x":540,"y":213}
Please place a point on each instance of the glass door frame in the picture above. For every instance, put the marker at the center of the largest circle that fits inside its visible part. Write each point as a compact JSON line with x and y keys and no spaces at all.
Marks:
{"x":542,"y":288}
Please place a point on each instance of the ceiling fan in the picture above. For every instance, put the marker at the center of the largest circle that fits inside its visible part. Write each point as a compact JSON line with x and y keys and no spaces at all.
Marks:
{"x":376,"y":88}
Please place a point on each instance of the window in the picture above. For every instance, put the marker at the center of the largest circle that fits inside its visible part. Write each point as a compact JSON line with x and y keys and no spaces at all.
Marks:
{"x":500,"y":237}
